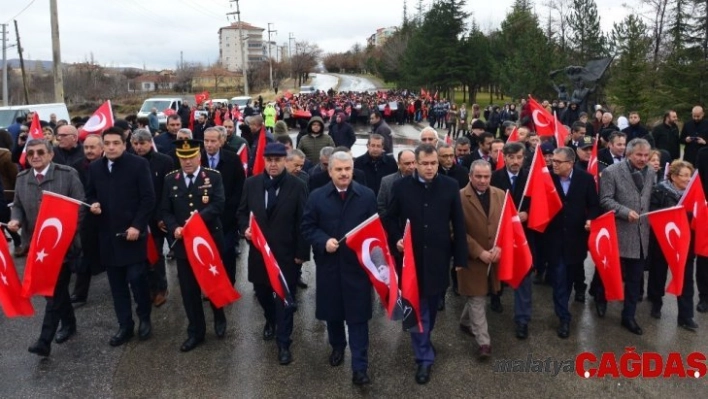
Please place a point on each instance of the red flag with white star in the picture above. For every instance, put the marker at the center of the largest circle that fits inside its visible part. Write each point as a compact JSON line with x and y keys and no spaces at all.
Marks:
{"x":13,"y":303}
{"x":604,"y":251}
{"x":515,"y":260}
{"x":593,"y":168}
{"x":205,"y":260}
{"x":673,"y":234}
{"x":545,"y":201}
{"x":275,"y":274}
{"x":53,"y":233}
{"x":35,"y":133}
{"x":101,"y":120}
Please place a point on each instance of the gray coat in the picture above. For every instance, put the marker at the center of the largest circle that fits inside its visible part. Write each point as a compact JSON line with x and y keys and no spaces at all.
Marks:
{"x":59,"y":179}
{"x":618,"y":193}
{"x":384,"y":197}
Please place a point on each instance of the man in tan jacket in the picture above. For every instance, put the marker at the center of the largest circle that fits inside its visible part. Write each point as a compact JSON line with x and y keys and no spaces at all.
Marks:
{"x":482,"y":207}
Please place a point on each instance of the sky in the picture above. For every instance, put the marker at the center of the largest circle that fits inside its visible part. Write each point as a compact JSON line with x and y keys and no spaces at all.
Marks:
{"x":153,"y":32}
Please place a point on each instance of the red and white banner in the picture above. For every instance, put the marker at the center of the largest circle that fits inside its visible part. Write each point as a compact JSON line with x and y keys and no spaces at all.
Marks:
{"x":604,"y":251}
{"x":54,"y":231}
{"x":206,"y":263}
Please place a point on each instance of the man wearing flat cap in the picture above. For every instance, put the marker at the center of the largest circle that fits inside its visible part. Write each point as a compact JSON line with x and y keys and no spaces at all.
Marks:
{"x":193,"y":188}
{"x":277,"y":200}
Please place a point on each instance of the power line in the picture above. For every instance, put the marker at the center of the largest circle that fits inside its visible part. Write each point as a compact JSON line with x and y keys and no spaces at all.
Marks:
{"x":21,"y":11}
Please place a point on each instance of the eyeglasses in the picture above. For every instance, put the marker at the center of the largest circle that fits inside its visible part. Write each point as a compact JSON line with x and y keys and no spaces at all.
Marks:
{"x":427,"y":139}
{"x":39,"y":153}
{"x":557,"y":161}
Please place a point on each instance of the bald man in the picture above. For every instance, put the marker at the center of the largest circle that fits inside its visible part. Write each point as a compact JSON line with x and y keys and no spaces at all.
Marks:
{"x":68,"y":151}
{"x":694,"y":134}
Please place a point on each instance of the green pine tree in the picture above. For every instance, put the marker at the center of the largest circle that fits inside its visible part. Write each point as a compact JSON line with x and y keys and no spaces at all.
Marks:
{"x":628,"y":85}
{"x":586,"y":39}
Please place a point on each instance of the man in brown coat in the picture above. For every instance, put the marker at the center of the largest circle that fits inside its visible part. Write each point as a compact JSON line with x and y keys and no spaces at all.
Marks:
{"x":482,"y":207}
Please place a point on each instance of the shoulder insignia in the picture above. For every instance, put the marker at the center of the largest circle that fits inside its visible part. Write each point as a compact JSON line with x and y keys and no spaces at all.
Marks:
{"x":173,"y":172}
{"x":212,"y":170}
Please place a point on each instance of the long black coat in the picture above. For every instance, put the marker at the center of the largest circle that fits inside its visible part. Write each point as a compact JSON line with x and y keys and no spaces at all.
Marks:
{"x":90,"y":225}
{"x":205,"y":195}
{"x":127,"y":199}
{"x":233,"y":178}
{"x":343,"y":287}
{"x":281,"y":229}
{"x":431,"y":208}
{"x":693,"y":129}
{"x":458,"y":172}
{"x":160,"y":166}
{"x":566,"y":235}
{"x":375,"y":170}
{"x":500,"y":179}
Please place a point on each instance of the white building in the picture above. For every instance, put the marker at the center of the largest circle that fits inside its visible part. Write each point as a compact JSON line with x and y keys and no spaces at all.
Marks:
{"x":230,"y":50}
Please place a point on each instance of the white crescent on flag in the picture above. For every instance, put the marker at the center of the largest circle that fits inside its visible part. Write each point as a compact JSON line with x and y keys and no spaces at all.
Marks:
{"x":366,"y":257}
{"x":51,"y":222}
{"x":536,"y":119}
{"x":4,"y":269}
{"x":603,"y":233}
{"x":96,"y":123}
{"x":200,"y":241}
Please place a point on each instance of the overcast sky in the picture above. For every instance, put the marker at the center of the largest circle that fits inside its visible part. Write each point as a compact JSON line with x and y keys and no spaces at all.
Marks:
{"x":153,"y":32}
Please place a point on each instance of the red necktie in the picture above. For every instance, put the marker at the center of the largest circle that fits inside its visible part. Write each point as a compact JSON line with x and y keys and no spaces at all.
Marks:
{"x":343,"y":194}
{"x":40,"y":177}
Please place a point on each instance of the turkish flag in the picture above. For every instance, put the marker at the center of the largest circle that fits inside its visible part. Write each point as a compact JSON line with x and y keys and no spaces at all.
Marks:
{"x":259,"y":161}
{"x":673,"y":234}
{"x":35,"y":133}
{"x":243,"y":156}
{"x":369,"y":242}
{"x":101,"y":120}
{"x":561,"y":133}
{"x":515,"y":260}
{"x":700,"y":222}
{"x":275,"y":274}
{"x":217,"y":118}
{"x":53,"y":233}
{"x":592,"y":163}
{"x":206,"y":264}
{"x":201,"y":97}
{"x":693,"y":197}
{"x":410,"y":297}
{"x":545,"y":201}
{"x":514,"y":136}
{"x":500,"y":161}
{"x":13,"y":303}
{"x":604,"y":251}
{"x":153,"y":253}
{"x":191,"y":118}
{"x":544,"y":122}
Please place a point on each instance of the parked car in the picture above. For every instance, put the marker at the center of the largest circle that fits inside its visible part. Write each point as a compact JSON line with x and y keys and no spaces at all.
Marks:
{"x":241,"y":101}
{"x":162,"y":104}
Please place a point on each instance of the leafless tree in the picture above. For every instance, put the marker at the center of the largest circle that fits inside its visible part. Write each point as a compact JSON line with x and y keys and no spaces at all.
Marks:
{"x":304,"y":60}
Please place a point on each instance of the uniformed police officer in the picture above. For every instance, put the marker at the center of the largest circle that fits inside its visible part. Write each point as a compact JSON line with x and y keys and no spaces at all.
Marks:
{"x":190,"y":189}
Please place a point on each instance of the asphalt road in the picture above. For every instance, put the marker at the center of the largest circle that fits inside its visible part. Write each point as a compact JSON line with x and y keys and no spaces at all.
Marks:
{"x":242,"y":365}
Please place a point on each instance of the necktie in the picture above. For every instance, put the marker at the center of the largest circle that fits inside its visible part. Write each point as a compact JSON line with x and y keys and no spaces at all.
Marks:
{"x":40,"y":177}
{"x":513,"y":182}
{"x":212,"y":162}
{"x":189,"y":179}
{"x":343,"y":195}
{"x":110,"y":166}
{"x":619,"y":159}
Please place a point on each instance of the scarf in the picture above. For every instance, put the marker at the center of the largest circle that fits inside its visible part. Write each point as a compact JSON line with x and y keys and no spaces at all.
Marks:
{"x":271,"y":186}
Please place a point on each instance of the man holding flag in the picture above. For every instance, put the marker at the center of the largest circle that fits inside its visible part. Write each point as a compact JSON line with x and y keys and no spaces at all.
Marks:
{"x":276,"y":199}
{"x":343,"y":287}
{"x":432,"y":204}
{"x":45,"y":175}
{"x":625,"y":188}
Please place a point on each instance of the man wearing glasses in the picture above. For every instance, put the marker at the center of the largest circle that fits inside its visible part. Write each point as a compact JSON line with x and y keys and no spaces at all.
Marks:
{"x":69,"y":150}
{"x":429,"y":136}
{"x":566,"y":237}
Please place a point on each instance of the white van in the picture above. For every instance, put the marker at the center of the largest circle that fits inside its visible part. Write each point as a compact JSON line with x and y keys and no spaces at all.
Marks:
{"x":8,"y":115}
{"x":161,"y":104}
{"x":241,"y":101}
{"x":307,"y":90}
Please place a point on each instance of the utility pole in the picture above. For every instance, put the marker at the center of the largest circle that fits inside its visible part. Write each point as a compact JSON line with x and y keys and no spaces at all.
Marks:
{"x":181,"y":59}
{"x":56,"y":53}
{"x":4,"y":64}
{"x":270,"y":58}
{"x":22,"y":64}
{"x":241,"y":43}
{"x":291,"y":37}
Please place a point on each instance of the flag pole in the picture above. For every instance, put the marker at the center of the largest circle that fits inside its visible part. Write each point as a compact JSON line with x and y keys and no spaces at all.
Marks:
{"x":66,"y":198}
{"x":660,"y":210}
{"x":185,"y":225}
{"x":359,"y":227}
{"x":496,"y":236}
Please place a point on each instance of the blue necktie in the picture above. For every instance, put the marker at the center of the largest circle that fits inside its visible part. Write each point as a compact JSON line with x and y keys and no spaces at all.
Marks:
{"x":513,"y":182}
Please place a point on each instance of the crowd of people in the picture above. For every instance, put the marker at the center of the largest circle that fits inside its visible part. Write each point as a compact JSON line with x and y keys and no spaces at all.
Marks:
{"x":312,"y":191}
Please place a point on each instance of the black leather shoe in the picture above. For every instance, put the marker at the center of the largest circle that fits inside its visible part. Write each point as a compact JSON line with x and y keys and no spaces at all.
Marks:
{"x":64,"y":333}
{"x":467,"y":330}
{"x":688,"y":324}
{"x":190,"y":344}
{"x":268,"y":332}
{"x":656,"y":310}
{"x":122,"y":336}
{"x":564,"y":330}
{"x":301,"y":283}
{"x":538,"y":279}
{"x":284,"y":356}
{"x":40,"y":349}
{"x":702,"y":306}
{"x":632,"y":326}
{"x":496,"y":305}
{"x":522,"y":331}
{"x":78,"y":300}
{"x":144,"y":330}
{"x":422,"y":375}
{"x":220,"y":328}
{"x":336,"y":357}
{"x":360,"y":378}
{"x":601,"y":308}
{"x":441,"y":304}
{"x":580,"y":297}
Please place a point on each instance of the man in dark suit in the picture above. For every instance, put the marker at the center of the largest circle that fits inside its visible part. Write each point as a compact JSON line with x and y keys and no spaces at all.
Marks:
{"x":625,"y":188}
{"x":485,"y":140}
{"x":432,"y":204}
{"x":321,"y":179}
{"x":343,"y":288}
{"x":577,"y":134}
{"x":375,"y":162}
{"x":565,"y":239}
{"x":164,"y":141}
{"x":694,"y":134}
{"x":277,"y":200}
{"x":513,"y":178}
{"x":406,"y":167}
{"x":190,"y":189}
{"x":233,"y":177}
{"x":121,"y":191}
{"x":448,"y":167}
{"x":666,"y":135}
{"x":614,"y":152}
{"x":160,"y":166}
{"x":60,"y":179}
